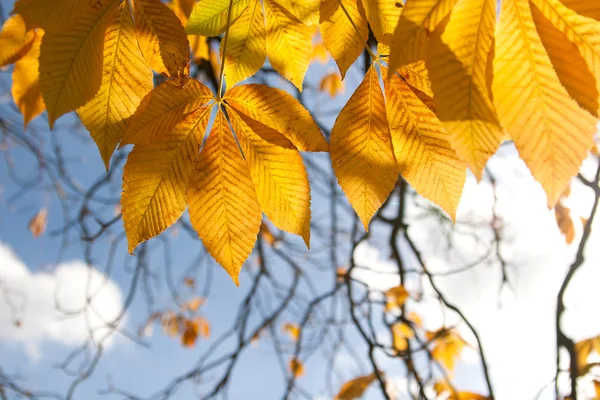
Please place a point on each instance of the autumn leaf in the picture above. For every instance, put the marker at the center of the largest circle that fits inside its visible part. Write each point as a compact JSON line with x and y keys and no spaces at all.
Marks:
{"x":296,"y":367}
{"x":194,"y":304}
{"x":401,"y":333}
{"x":584,"y":348}
{"x":332,"y":83}
{"x":289,"y":44}
{"x":344,"y":42}
{"x":37,"y":224}
{"x":292,"y":330}
{"x":26,"y":82}
{"x":126,"y":79}
{"x":172,"y":324}
{"x":162,"y":39}
{"x":383,"y":17}
{"x":156,"y":178}
{"x":223,"y":206}
{"x":396,"y":297}
{"x":71,"y":61}
{"x":361,"y":149}
{"x":15,"y":40}
{"x":447,"y":347}
{"x":246,"y":44}
{"x":190,"y":333}
{"x":163,"y":107}
{"x":52,"y":15}
{"x":457,"y":62}
{"x":422,"y":147}
{"x":564,"y":222}
{"x":552,"y":133}
{"x":355,"y":388}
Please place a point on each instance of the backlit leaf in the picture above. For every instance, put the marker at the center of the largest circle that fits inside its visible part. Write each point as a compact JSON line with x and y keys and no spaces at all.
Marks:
{"x":332,"y":83}
{"x":457,"y":61}
{"x":552,"y":133}
{"x":422,"y":147}
{"x":246,"y":45}
{"x":162,"y":39}
{"x":163,"y":107}
{"x":587,"y":8}
{"x":306,"y":11}
{"x":26,"y":82}
{"x":15,"y":40}
{"x":296,"y":367}
{"x":37,"y":224}
{"x":209,"y":17}
{"x":52,"y":15}
{"x":278,"y":173}
{"x":289,"y":44}
{"x":71,"y":61}
{"x":292,"y":329}
{"x":361,"y":149}
{"x":278,"y":110}
{"x":341,"y":39}
{"x":222,"y":201}
{"x":156,"y":177}
{"x":565,"y":222}
{"x":355,"y":388}
{"x":383,"y":17}
{"x":126,"y":80}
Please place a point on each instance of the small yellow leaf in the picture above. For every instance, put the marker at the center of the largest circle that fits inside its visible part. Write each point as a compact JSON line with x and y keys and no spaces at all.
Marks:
{"x":564,"y":222}
{"x":280,"y":111}
{"x":396,"y":297}
{"x":401,"y":332}
{"x":194,"y":304}
{"x":552,"y":133}
{"x":423,"y":151}
{"x":203,"y":327}
{"x":339,"y":36}
{"x":15,"y":40}
{"x":278,"y":174}
{"x":26,"y":82}
{"x":209,"y":17}
{"x":246,"y":45}
{"x":126,"y":80}
{"x":355,"y":388}
{"x":383,"y":17}
{"x":222,"y":202}
{"x":291,"y":329}
{"x":289,"y":44}
{"x":320,"y":53}
{"x":457,"y":62}
{"x":37,"y":224}
{"x":156,"y":177}
{"x":162,"y":39}
{"x":296,"y":367}
{"x":172,"y":324}
{"x":448,"y":346}
{"x":361,"y":149}
{"x":163,"y":107}
{"x":71,"y":61}
{"x":332,"y":83}
{"x":190,"y":333}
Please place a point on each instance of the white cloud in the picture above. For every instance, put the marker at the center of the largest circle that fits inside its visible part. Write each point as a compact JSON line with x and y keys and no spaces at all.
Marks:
{"x":31,"y":299}
{"x":518,"y":331}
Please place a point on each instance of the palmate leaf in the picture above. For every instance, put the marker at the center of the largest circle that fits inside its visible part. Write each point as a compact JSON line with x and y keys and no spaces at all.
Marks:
{"x":126,"y":79}
{"x":71,"y":61}
{"x":26,"y":82}
{"x":552,"y":133}
{"x":156,"y":178}
{"x":224,"y":209}
{"x":457,"y":59}
{"x":361,"y":149}
{"x":383,"y":17}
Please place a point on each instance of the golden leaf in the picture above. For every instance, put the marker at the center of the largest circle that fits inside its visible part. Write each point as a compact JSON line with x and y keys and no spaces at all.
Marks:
{"x":289,"y":44}
{"x":194,"y":304}
{"x":332,"y":83}
{"x":417,"y":76}
{"x":209,"y":17}
{"x":15,"y":40}
{"x":306,"y":11}
{"x":457,"y":62}
{"x":564,"y":222}
{"x":422,"y":147}
{"x":71,"y":61}
{"x":246,"y":45}
{"x":26,"y":82}
{"x":401,"y":332}
{"x":292,"y":329}
{"x":296,"y":367}
{"x":172,"y":324}
{"x":339,"y":36}
{"x":156,"y":178}
{"x":52,"y":15}
{"x":190,"y":333}
{"x":355,"y":388}
{"x":361,"y":149}
{"x":162,"y":39}
{"x":280,"y":111}
{"x":222,"y":201}
{"x":587,"y":8}
{"x":448,"y":345}
{"x":126,"y":80}
{"x":278,"y":174}
{"x":396,"y":297}
{"x":163,"y":107}
{"x":37,"y":224}
{"x":552,"y":133}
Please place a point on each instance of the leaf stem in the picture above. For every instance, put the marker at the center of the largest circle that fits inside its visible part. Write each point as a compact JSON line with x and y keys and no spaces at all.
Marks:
{"x":367,"y":47}
{"x":222,"y":71}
